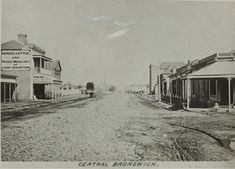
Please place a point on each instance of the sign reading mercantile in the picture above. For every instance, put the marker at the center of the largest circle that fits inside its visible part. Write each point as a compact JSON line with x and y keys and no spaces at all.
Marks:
{"x":15,"y":60}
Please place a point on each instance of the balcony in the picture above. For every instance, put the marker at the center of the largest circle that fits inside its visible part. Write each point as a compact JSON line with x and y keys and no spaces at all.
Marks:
{"x":39,"y":70}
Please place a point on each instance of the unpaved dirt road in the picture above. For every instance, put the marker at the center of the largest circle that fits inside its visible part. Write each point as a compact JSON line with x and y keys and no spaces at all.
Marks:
{"x":115,"y":127}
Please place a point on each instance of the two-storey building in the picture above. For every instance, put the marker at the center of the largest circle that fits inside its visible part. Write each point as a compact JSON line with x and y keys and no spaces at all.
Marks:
{"x":37,"y":76}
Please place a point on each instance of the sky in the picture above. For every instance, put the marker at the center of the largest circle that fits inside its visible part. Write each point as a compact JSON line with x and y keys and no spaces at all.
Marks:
{"x":114,"y":41}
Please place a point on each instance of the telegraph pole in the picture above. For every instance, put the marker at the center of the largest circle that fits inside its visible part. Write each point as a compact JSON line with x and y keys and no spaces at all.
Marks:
{"x":150,"y":79}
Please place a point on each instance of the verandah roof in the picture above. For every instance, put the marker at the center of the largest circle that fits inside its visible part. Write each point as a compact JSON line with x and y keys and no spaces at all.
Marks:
{"x":217,"y":69}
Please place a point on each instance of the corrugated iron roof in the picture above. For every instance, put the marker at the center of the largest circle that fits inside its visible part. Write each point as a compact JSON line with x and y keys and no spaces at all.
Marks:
{"x":216,"y":69}
{"x":17,"y":45}
{"x":12,"y":45}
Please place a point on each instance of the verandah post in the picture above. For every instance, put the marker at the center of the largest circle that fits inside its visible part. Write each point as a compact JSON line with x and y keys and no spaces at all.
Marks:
{"x":229,"y":93}
{"x":10,"y":92}
{"x":183,"y":90}
{"x":170,"y":91}
{"x":160,"y":92}
{"x":209,"y":90}
{"x":188,"y":92}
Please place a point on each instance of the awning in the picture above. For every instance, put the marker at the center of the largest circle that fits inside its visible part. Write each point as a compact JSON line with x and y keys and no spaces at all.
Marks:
{"x":41,"y":80}
{"x":45,"y":80}
{"x":57,"y":82}
{"x":8,"y":78}
{"x":217,"y":69}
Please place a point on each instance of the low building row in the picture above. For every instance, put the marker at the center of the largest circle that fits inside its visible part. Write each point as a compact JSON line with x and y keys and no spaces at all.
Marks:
{"x":27,"y":73}
{"x":200,"y":83}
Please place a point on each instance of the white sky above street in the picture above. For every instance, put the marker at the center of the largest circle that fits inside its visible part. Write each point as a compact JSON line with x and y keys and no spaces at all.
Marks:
{"x":115,"y":41}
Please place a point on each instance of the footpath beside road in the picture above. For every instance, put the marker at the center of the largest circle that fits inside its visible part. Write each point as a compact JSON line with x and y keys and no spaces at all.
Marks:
{"x":10,"y":106}
{"x":151,"y":99}
{"x":154,"y":102}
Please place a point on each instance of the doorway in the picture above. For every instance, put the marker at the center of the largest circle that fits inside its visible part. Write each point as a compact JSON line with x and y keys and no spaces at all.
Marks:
{"x":39,"y":91}
{"x":223,"y":91}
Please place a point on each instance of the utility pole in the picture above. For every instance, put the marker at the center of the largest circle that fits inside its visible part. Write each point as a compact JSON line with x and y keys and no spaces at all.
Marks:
{"x":159,"y":87}
{"x":150,"y":79}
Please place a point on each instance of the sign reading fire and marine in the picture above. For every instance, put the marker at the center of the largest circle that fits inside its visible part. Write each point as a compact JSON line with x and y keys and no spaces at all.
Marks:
{"x":15,"y":60}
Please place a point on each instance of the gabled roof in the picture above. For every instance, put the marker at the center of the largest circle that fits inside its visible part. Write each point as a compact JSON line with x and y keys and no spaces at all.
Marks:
{"x":56,"y":64}
{"x":17,"y":45}
{"x":12,"y":45}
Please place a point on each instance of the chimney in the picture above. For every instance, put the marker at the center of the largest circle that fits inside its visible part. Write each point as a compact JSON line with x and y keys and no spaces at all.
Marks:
{"x":189,"y":65}
{"x":22,"y":38}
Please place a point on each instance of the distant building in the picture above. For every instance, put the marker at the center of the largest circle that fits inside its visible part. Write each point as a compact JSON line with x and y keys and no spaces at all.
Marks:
{"x":68,"y":86}
{"x":155,"y":78}
{"x":137,"y":88}
{"x":37,"y":76}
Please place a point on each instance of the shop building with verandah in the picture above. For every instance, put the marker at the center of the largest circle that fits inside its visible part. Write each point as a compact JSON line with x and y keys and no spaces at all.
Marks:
{"x":206,"y":82}
{"x":37,"y":75}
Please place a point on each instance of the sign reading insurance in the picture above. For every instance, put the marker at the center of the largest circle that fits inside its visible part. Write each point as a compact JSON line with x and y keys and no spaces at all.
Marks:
{"x":15,"y":60}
